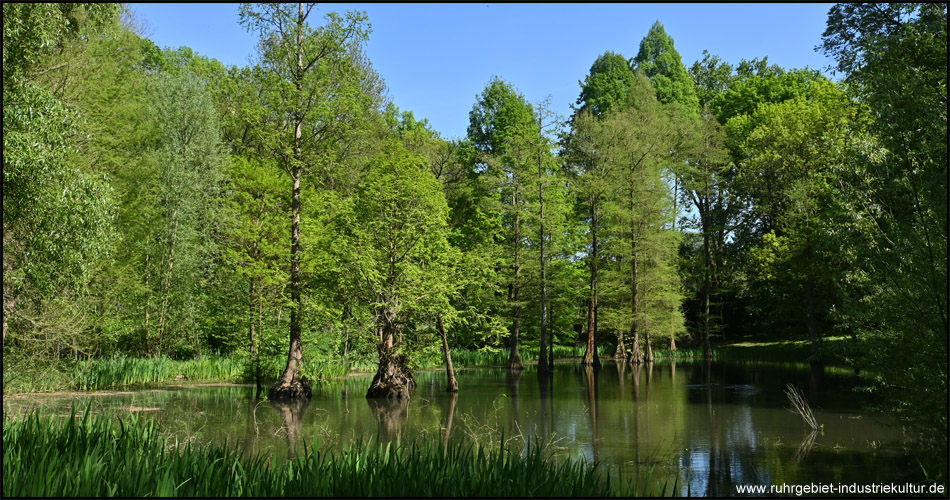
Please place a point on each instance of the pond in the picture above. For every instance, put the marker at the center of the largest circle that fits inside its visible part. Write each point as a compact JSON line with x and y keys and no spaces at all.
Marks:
{"x":710,"y":426}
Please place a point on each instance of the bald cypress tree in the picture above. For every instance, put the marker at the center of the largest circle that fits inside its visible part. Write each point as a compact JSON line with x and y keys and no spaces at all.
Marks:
{"x":662,"y":64}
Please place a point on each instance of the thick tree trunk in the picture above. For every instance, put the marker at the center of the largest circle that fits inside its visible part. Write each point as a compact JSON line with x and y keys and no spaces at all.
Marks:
{"x":621,"y":354}
{"x":590,"y":354}
{"x":393,"y":380}
{"x":452,"y":384}
{"x":291,"y":385}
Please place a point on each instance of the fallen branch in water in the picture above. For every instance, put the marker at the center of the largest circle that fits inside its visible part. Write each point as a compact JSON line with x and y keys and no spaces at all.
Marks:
{"x":800,"y":406}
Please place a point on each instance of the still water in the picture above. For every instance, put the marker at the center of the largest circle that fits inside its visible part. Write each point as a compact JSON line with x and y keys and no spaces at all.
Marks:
{"x":710,"y":427}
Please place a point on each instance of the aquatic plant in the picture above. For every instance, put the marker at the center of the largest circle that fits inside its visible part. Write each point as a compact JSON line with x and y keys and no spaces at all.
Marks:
{"x":100,"y":455}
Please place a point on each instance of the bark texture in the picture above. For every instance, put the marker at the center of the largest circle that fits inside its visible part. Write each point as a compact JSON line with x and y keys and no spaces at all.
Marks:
{"x":452,"y":384}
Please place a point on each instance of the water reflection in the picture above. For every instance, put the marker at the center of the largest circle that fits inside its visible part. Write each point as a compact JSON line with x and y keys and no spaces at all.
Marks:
{"x":513,"y":383}
{"x":590,"y":377}
{"x":709,"y":425}
{"x":452,"y":401}
{"x":546,"y":397}
{"x":291,"y":414}
{"x":391,"y":417}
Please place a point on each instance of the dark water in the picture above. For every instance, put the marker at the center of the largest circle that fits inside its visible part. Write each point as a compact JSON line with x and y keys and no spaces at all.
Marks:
{"x":708,"y":426}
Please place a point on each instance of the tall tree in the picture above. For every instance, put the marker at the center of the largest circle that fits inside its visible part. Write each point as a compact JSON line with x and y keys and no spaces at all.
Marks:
{"x":635,"y":144}
{"x":607,"y":85}
{"x":56,"y":216}
{"x":894,"y":60}
{"x":394,"y":241}
{"x":589,"y":170}
{"x":502,"y":128}
{"x":705,"y":183}
{"x":662,"y":64}
{"x":788,"y":152}
{"x":312,"y":89}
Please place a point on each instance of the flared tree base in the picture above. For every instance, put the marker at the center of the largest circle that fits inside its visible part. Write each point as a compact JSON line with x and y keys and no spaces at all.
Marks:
{"x":298,"y":390}
{"x":393,"y":380}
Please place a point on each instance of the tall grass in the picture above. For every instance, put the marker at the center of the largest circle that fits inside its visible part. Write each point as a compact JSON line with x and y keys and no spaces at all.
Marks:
{"x":126,"y":371}
{"x":98,"y":455}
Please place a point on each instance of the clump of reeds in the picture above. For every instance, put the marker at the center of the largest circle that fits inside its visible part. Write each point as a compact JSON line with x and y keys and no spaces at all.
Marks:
{"x":800,"y":406}
{"x":99,"y":455}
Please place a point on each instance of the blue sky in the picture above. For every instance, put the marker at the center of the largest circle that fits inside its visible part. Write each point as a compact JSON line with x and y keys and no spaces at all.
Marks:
{"x":435,"y":58}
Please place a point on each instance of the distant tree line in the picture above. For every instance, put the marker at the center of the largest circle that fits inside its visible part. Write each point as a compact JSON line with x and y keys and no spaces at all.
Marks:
{"x":157,"y":202}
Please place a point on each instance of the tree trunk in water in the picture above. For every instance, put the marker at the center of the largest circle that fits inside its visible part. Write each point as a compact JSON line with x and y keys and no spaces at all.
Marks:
{"x":550,"y":348}
{"x":291,"y":385}
{"x":648,"y":349}
{"x":621,"y":353}
{"x":590,"y":354}
{"x":452,"y":385}
{"x":636,"y":355}
{"x":393,"y":380}
{"x":514,"y":357}
{"x":543,"y":367}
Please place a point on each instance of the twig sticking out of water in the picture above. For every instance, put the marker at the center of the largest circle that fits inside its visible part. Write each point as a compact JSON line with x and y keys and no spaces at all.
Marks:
{"x":800,"y":406}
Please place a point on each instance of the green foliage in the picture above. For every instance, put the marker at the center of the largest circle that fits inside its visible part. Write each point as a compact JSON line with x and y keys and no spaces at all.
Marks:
{"x":32,"y":31}
{"x":894,"y":58}
{"x":608,"y":84}
{"x":662,"y":64}
{"x":99,"y":455}
{"x":393,"y":243}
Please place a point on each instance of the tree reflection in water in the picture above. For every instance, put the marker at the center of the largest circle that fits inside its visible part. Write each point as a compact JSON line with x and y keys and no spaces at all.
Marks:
{"x":291,"y":414}
{"x":391,"y":417}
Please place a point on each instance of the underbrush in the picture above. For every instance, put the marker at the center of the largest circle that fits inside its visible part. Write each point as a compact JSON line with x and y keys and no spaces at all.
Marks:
{"x":100,"y":455}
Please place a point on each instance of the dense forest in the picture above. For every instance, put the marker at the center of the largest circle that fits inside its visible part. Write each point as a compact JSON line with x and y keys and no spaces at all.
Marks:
{"x":157,"y":203}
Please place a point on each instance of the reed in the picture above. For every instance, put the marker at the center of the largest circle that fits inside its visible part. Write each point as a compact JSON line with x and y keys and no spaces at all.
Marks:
{"x":800,"y":406}
{"x":100,"y":455}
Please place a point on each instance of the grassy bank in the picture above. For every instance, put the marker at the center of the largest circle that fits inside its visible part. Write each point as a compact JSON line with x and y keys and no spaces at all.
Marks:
{"x":127,"y":372}
{"x":99,"y":455}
